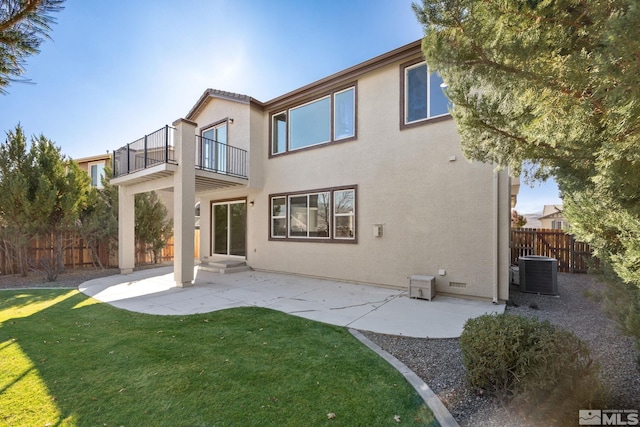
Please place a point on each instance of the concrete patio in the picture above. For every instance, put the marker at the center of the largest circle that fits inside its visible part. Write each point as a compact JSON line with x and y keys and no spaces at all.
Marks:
{"x":356,"y":306}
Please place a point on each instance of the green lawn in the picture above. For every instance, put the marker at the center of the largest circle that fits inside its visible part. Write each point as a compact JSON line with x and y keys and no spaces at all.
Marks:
{"x":67,"y":360}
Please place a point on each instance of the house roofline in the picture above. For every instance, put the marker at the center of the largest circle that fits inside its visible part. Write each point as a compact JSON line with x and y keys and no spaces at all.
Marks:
{"x":311,"y":89}
{"x":346,"y":75}
{"x":220,"y":94}
{"x":558,"y":211}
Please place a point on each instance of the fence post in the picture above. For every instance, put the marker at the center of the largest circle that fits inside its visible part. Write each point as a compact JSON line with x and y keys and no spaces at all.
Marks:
{"x":572,"y":253}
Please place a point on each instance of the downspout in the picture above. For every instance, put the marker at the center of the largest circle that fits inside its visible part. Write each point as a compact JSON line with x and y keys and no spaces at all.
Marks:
{"x":496,"y":230}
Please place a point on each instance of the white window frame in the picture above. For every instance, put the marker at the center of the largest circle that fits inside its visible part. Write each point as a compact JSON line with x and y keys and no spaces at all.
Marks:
{"x":98,"y":184}
{"x":283,"y":215}
{"x":274,"y":132}
{"x":336,"y":215}
{"x":353,"y":113}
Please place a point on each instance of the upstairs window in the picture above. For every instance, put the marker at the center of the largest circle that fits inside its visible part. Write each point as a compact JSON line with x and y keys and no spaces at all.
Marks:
{"x":344,"y":111}
{"x":212,"y":152}
{"x":310,"y":124}
{"x":423,"y":97}
{"x":279,"y":137}
{"x":321,"y":121}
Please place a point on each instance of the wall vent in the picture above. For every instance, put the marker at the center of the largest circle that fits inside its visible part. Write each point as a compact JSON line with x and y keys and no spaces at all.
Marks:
{"x":457,"y":285}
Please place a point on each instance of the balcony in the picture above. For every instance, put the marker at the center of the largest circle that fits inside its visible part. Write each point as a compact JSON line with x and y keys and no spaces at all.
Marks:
{"x":151,"y":150}
{"x":153,"y":156}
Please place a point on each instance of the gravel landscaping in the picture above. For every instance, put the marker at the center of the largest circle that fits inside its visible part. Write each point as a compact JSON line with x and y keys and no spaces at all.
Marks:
{"x":439,"y":361}
{"x":67,"y":279}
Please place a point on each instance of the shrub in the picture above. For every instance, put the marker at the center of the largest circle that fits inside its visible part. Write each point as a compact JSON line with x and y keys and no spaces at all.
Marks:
{"x":512,"y":356}
{"x":622,"y":304}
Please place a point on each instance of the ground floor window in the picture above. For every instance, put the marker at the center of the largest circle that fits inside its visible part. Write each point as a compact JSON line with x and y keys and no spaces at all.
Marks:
{"x":327,"y":215}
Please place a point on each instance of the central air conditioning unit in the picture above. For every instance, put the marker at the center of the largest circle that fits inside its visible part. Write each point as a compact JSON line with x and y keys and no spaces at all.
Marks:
{"x":538,"y":274}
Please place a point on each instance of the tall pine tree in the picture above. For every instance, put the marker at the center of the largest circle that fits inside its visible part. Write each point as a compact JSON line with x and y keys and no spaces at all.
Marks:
{"x":24,"y":25}
{"x":554,"y":86}
{"x":15,"y":229}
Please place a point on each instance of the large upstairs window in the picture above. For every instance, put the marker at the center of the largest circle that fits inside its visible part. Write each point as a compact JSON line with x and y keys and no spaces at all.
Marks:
{"x":310,"y":124}
{"x":324,"y":120}
{"x":423,"y":96}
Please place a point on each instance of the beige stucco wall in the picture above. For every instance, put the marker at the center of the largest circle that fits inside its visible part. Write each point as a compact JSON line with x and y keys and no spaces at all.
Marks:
{"x":218,"y":109}
{"x":437,"y":213}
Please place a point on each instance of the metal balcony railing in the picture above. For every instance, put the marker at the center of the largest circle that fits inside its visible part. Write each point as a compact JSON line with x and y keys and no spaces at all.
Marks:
{"x":150,"y":150}
{"x":159,"y":147}
{"x":220,"y":158}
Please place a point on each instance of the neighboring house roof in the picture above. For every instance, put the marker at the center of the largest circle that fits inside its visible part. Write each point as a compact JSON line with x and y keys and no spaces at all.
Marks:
{"x":551,"y":211}
{"x":532,"y":221}
{"x":515,"y":189}
{"x":95,"y":158}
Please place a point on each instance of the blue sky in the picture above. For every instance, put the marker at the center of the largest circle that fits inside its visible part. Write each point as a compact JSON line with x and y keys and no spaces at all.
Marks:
{"x":117,"y":70}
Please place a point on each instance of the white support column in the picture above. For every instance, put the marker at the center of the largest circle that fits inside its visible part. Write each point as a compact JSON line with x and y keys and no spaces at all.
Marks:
{"x":184,"y":200}
{"x":126,"y":230}
{"x":205,"y":230}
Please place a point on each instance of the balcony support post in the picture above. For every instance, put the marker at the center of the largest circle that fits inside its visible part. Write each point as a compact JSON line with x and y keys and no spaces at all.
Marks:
{"x":126,"y":230}
{"x":184,"y":192}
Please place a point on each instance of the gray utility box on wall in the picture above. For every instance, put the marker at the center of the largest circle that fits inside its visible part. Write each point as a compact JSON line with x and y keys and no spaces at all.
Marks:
{"x":423,"y":287}
{"x":538,"y":274}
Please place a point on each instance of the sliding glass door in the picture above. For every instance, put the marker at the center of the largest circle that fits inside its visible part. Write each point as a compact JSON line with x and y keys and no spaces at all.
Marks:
{"x":229,"y":228}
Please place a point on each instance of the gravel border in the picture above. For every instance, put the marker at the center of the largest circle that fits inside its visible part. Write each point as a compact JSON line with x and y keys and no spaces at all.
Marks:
{"x":438,"y":362}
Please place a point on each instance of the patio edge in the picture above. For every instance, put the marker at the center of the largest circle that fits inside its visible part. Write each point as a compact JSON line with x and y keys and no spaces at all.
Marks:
{"x":442,"y":414}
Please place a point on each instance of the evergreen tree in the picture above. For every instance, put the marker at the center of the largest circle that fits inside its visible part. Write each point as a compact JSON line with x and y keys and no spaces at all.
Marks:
{"x":152,"y":229}
{"x":42,"y":194}
{"x":24,"y":24}
{"x":58,"y":193}
{"x":14,"y":202}
{"x":99,"y":221}
{"x":553,"y":86}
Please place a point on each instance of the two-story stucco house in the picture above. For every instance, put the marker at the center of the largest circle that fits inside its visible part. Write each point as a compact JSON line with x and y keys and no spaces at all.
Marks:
{"x":95,"y":167}
{"x":552,"y":218}
{"x":357,"y":177}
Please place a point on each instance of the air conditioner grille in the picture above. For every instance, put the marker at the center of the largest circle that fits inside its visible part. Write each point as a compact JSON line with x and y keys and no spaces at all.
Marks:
{"x":538,"y":274}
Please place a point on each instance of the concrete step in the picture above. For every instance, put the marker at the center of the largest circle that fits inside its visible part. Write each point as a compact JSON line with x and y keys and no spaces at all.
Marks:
{"x":225,"y":267}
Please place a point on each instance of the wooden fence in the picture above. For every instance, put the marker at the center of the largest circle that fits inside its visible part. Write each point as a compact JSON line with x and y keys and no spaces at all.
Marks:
{"x":77,"y":254}
{"x":572,"y":256}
